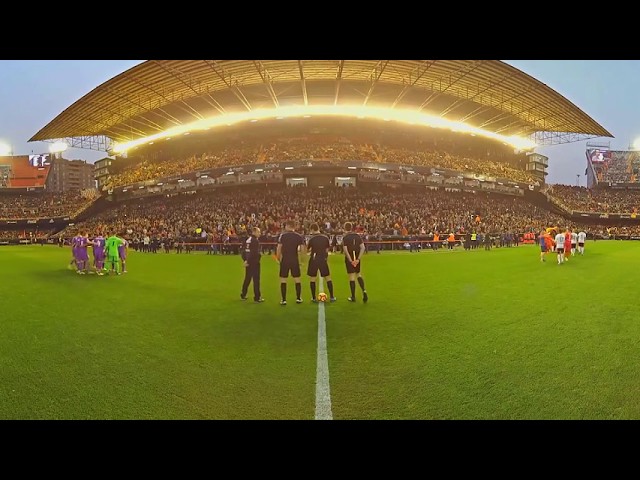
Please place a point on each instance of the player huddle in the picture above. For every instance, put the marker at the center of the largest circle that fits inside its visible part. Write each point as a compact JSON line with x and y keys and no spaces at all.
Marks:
{"x":109,"y":254}
{"x":564,"y":244}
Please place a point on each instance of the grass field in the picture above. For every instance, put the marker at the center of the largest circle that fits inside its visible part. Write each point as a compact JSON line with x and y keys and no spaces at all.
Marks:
{"x":445,"y":335}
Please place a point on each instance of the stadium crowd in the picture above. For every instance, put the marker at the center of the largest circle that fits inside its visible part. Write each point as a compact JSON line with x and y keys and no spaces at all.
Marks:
{"x":23,"y":234}
{"x":619,"y":167}
{"x":42,"y":205}
{"x":582,"y":199}
{"x":379,"y":212}
{"x":303,"y":149}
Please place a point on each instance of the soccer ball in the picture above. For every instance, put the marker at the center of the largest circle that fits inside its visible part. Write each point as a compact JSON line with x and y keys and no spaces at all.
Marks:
{"x":322,"y":297}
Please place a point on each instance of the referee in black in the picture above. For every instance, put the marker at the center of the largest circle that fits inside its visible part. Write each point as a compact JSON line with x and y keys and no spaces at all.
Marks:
{"x":287,"y":255}
{"x":318,"y":248}
{"x":251,"y":258}
{"x":353,"y":247}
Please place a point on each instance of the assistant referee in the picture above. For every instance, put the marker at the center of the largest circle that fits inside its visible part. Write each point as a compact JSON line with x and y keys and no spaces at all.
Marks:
{"x":353,"y":250}
{"x":251,"y":259}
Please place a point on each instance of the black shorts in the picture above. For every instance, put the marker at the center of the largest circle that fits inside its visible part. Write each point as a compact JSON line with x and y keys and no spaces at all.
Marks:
{"x":289,"y":265}
{"x":559,"y":249}
{"x":315,"y":265}
{"x":573,"y":245}
{"x":581,"y":244}
{"x":350,"y":267}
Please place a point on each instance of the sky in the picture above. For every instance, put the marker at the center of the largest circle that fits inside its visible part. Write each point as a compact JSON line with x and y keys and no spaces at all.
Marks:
{"x":33,"y":92}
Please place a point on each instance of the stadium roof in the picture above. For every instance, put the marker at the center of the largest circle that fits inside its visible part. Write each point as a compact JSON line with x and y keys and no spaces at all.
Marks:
{"x":157,"y":95}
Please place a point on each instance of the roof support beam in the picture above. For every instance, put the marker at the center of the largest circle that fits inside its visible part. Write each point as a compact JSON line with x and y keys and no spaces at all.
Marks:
{"x":304,"y":83}
{"x":439,"y":88}
{"x":476,"y":95}
{"x":106,"y":126}
{"x":268,"y":82}
{"x":100,"y":143}
{"x":509,"y":125}
{"x":503,"y":101}
{"x":189,"y":110}
{"x":168,"y":117}
{"x":502,"y":115}
{"x":474,"y":113}
{"x":338,"y":81}
{"x":453,"y":106}
{"x":375,"y":77}
{"x":215,"y":104}
{"x":220,"y":71}
{"x":124,"y":118}
{"x":189,"y":84}
{"x":419,"y":72}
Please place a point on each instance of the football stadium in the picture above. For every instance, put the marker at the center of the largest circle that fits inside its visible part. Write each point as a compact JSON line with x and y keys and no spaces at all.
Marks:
{"x":319,"y":239}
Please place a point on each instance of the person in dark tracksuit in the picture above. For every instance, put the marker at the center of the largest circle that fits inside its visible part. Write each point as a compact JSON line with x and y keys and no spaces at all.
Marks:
{"x":251,"y":259}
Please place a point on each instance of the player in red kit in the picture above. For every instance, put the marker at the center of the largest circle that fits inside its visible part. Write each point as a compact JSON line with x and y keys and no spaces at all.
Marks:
{"x":567,"y":244}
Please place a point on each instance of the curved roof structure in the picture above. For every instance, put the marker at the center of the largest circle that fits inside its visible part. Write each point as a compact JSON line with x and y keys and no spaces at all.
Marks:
{"x":160,"y":94}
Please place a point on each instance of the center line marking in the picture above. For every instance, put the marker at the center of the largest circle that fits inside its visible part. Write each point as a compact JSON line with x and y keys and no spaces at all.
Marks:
{"x":323,"y":391}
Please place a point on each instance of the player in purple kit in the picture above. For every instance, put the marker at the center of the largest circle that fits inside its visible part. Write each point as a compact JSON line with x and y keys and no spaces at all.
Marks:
{"x":73,"y":254}
{"x":98,"y":253}
{"x":82,"y":254}
{"x":122,"y":253}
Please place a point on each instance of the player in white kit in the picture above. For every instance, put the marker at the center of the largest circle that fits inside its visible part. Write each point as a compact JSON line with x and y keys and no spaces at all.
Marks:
{"x":574,"y":241}
{"x":581,"y":238}
{"x":560,"y":247}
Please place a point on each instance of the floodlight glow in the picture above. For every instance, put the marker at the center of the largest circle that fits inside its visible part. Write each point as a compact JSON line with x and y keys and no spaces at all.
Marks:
{"x":4,"y":149}
{"x":354,"y":111}
{"x":58,"y":147}
{"x":636,"y":144}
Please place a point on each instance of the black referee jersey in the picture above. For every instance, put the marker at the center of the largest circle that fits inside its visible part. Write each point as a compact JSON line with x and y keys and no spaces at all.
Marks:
{"x":290,"y":242}
{"x":352,"y":241}
{"x":319,"y":245}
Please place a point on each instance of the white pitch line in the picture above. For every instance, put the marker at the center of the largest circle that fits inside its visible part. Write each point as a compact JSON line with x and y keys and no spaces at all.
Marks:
{"x":323,"y":391}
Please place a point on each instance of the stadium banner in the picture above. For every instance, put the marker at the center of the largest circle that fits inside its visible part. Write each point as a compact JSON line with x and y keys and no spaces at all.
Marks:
{"x":31,"y":221}
{"x":625,"y":186}
{"x":22,"y":189}
{"x":633,"y":217}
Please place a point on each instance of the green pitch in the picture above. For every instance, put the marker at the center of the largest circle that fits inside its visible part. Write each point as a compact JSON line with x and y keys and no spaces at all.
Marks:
{"x":445,"y":335}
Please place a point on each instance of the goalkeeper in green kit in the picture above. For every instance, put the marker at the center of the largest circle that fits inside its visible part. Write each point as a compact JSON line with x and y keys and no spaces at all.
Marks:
{"x":111,"y":249}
